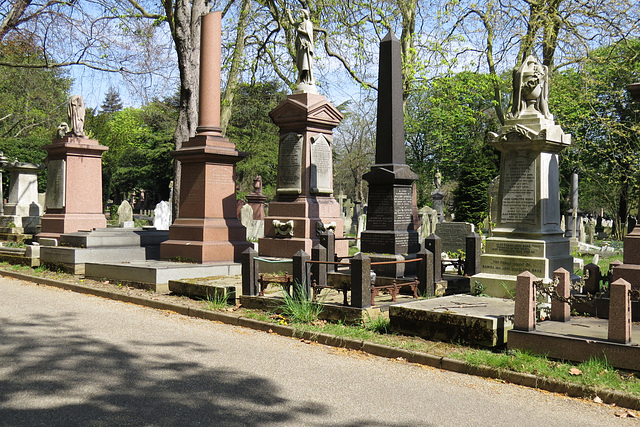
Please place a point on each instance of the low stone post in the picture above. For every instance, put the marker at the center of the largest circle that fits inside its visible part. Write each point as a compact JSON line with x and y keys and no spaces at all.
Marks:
{"x":249,"y":273}
{"x":473,"y":252}
{"x":561,"y":311}
{"x":426,"y":273}
{"x":620,"y":312}
{"x":301,"y":288}
{"x":319,"y":271}
{"x":433,"y":243}
{"x":328,"y":240}
{"x":525,"y":309}
{"x":592,"y":282}
{"x":360,"y":281}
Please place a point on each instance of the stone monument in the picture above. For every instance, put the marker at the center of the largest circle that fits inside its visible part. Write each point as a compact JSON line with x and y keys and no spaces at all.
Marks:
{"x":207,"y":228}
{"x":256,"y":199}
{"x":390,"y":232}
{"x":304,"y":201}
{"x":528,"y":234}
{"x":21,"y":214}
{"x":74,"y":179}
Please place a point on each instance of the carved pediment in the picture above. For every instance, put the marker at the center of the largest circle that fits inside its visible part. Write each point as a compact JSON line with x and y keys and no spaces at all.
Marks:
{"x":306,"y":108}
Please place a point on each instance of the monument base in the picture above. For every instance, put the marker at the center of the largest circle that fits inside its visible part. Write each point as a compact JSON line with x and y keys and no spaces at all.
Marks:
{"x":306,"y":213}
{"x":58,"y":224}
{"x":204,"y":240}
{"x":509,"y":254}
{"x":16,"y":224}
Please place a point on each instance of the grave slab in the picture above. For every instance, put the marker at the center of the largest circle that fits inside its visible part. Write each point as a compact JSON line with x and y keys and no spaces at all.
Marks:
{"x":476,"y":320}
{"x":155,"y":275}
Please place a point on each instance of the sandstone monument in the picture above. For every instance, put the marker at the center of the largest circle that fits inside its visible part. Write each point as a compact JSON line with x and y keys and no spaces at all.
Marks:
{"x":528,"y":234}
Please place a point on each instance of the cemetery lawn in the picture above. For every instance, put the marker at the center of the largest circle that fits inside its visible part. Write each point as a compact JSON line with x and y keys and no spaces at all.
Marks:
{"x":596,"y":375}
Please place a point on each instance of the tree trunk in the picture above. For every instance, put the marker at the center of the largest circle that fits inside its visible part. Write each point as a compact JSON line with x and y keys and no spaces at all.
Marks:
{"x":184,"y":19}
{"x":234,"y":69}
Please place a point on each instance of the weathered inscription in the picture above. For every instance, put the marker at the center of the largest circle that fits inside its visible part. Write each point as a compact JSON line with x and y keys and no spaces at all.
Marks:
{"x":501,"y":247}
{"x":321,"y":165}
{"x":500,"y":264}
{"x":56,"y":184}
{"x":389,"y":208}
{"x":290,"y":164}
{"x":454,"y":235}
{"x":519,"y":190}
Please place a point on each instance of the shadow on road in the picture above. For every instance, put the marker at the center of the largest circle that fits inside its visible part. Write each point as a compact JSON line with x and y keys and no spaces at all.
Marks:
{"x":67,"y":378}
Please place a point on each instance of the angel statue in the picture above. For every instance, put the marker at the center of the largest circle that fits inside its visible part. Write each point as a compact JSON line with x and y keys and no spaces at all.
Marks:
{"x":304,"y":49}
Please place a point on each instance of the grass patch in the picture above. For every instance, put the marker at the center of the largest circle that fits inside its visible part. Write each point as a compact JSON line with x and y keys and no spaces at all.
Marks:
{"x":299,"y":308}
{"x":379,"y":324}
{"x":218,"y":301}
{"x":595,"y":373}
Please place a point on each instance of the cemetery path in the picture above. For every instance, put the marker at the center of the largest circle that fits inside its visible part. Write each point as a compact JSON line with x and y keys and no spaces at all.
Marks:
{"x":72,"y":359}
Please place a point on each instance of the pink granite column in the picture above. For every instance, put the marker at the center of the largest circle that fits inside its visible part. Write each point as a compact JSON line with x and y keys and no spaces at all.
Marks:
{"x":620,"y":312}
{"x":525,"y":309}
{"x":560,"y":311}
{"x":210,"y":63}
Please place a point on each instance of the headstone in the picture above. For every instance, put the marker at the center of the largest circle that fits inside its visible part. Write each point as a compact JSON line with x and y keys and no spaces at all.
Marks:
{"x":125,"y":214}
{"x":528,"y":235}
{"x":22,"y":211}
{"x":454,"y":235}
{"x":389,"y":216}
{"x":162,"y":216}
{"x":438,"y":204}
{"x":256,"y":199}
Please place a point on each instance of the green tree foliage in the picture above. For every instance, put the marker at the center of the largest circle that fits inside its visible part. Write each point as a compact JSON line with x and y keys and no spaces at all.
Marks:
{"x":32,"y":104}
{"x":112,"y":101}
{"x":140,"y":141}
{"x":591,"y":102}
{"x":253,"y":132}
{"x":446,"y":128}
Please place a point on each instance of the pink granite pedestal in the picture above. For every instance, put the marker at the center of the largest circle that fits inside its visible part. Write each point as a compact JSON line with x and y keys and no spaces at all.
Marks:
{"x":305,"y":176}
{"x":74,"y":187}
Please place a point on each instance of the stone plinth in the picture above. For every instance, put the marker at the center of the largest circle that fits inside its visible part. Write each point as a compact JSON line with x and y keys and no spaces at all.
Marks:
{"x":207,"y":229}
{"x":74,"y":187}
{"x":304,"y":193}
{"x":22,"y":212}
{"x":528,"y":234}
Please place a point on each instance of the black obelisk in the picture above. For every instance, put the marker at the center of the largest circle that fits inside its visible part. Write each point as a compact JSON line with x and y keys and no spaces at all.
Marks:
{"x":390,"y":227}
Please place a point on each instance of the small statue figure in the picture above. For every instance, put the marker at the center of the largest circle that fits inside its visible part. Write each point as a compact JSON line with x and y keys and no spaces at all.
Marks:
{"x":530,"y":89}
{"x":304,"y":48}
{"x":437,"y":180}
{"x":63,"y":129}
{"x":76,"y":111}
{"x":257,"y":185}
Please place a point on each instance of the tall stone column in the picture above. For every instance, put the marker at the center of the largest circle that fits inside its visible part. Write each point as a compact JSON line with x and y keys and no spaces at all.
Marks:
{"x":74,"y":186}
{"x":390,"y":228}
{"x":207,"y":229}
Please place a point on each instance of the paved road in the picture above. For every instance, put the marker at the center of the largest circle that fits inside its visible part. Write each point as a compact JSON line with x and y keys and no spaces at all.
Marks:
{"x":75,"y":360}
